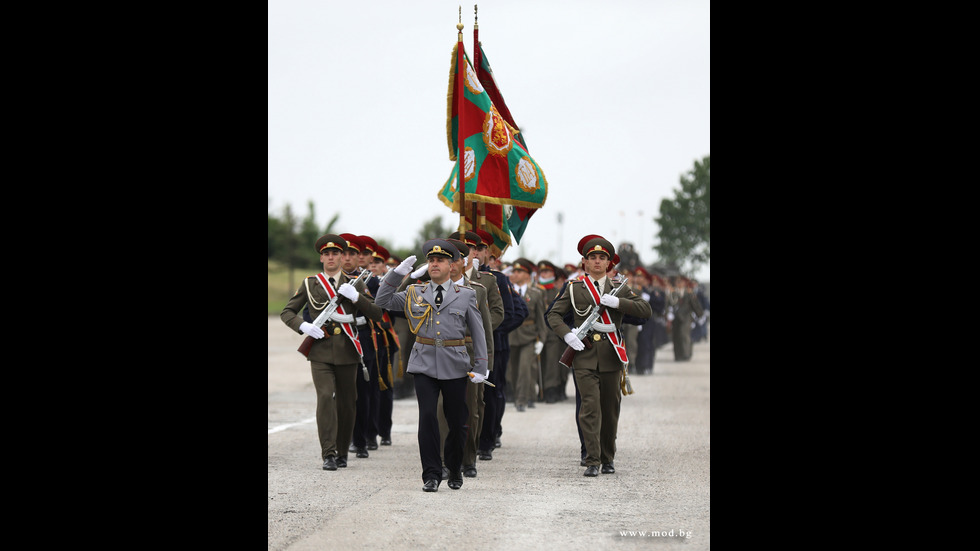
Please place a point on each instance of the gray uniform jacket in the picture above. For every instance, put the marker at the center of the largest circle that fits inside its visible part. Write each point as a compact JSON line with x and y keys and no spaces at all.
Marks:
{"x":458,"y":312}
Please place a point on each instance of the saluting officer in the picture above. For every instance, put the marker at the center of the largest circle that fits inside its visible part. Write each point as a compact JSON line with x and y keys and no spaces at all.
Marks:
{"x":335,"y":355}
{"x":439,"y":312}
{"x":597,"y":369}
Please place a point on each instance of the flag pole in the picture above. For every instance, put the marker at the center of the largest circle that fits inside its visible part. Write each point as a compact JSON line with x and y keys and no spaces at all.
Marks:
{"x":477,"y":207}
{"x":461,"y":151}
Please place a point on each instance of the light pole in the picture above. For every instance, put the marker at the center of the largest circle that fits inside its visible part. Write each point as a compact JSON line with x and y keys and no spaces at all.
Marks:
{"x":561,"y":230}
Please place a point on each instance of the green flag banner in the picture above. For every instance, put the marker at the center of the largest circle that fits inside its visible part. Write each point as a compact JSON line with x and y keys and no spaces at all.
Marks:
{"x":497,"y":169}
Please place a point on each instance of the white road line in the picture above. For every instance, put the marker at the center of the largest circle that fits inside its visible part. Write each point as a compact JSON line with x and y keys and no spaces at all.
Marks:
{"x":290,"y":425}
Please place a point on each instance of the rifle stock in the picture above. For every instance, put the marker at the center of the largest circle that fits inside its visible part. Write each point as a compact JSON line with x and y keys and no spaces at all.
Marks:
{"x":568,"y":356}
{"x":305,"y":346}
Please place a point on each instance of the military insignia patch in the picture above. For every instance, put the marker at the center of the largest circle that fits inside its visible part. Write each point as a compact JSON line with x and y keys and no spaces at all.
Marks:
{"x":526,"y":175}
{"x":496,"y":133}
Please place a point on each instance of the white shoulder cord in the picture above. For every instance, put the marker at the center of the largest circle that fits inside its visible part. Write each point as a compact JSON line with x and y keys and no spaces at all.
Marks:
{"x":571,"y":296}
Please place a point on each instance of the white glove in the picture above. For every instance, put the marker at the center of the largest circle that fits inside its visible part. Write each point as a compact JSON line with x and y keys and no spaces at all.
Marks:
{"x":538,"y":346}
{"x":611,"y":301}
{"x":476,"y":263}
{"x":311,"y":330}
{"x":574,"y":342}
{"x":670,"y":315}
{"x":406,"y":265}
{"x":349,"y":291}
{"x":477,"y":378}
{"x":418,"y":273}
{"x":645,"y":296}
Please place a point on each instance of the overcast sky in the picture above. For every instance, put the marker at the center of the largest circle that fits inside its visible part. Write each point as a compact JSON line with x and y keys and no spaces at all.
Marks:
{"x":613,"y":98}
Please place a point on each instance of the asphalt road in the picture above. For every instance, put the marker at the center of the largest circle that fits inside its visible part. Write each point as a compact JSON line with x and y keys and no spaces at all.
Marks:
{"x":530,"y":496}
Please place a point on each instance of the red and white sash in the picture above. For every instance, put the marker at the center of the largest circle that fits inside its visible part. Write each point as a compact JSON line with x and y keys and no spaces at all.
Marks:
{"x":340,"y":310}
{"x":613,"y":338}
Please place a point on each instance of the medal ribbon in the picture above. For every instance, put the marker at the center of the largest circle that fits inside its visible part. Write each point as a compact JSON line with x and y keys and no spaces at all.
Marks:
{"x":613,"y":338}
{"x":340,"y":309}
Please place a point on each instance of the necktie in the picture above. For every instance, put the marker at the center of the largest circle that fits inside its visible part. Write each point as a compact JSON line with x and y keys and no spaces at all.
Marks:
{"x":439,"y":295}
{"x":332,"y":283}
{"x":597,"y":288}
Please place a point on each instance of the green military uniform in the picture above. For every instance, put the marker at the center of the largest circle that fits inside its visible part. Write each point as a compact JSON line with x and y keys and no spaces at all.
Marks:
{"x":334,"y":360}
{"x":553,"y":374}
{"x":598,"y":369}
{"x":684,"y":304}
{"x":523,"y":370}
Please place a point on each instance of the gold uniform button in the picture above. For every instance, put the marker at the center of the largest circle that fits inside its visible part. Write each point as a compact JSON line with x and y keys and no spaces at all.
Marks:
{"x":597,"y":337}
{"x":437,"y":323}
{"x":336,"y":330}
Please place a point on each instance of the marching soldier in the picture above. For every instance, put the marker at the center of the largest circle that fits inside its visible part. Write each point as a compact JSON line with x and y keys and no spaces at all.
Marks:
{"x":553,"y":374}
{"x":404,"y":388}
{"x":474,"y":393}
{"x":386,"y":343}
{"x":646,"y":350}
{"x":631,"y":332}
{"x":351,"y":257}
{"x":335,"y":354}
{"x":685,"y":306}
{"x":527,"y":341}
{"x":439,"y":313}
{"x":368,"y":394}
{"x":599,"y":368}
{"x":514,"y":313}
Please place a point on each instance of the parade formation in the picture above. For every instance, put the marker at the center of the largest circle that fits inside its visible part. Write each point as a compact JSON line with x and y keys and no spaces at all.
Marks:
{"x":465,"y":332}
{"x":478,"y":338}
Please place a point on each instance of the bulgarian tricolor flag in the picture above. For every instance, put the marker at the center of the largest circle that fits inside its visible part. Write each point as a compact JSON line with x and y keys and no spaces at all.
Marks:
{"x":497,"y":169}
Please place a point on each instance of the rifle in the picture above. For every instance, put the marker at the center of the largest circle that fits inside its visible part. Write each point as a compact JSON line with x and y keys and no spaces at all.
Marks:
{"x":586,"y":327}
{"x":324,"y":317}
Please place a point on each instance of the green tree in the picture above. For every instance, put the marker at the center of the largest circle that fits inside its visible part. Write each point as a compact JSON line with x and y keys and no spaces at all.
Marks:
{"x":685,"y":220}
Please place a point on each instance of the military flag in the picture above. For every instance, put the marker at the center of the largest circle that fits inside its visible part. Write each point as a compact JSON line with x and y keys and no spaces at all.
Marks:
{"x":497,"y":169}
{"x":516,"y":217}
